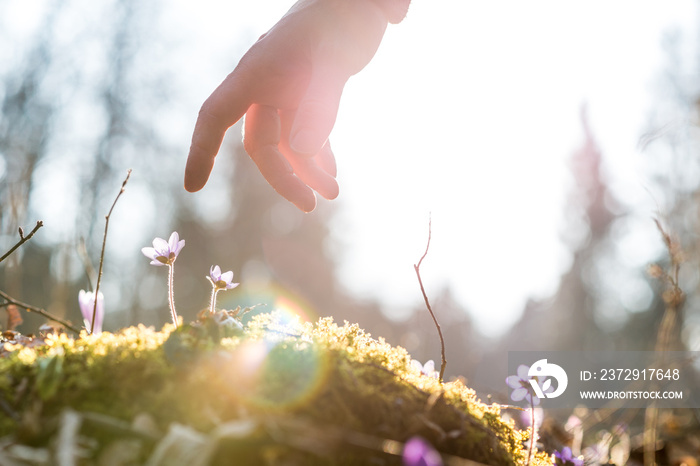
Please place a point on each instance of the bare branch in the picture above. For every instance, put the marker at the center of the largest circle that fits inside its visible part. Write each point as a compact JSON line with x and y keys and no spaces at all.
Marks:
{"x":10,"y":300}
{"x":102,"y":254}
{"x":673,"y":298}
{"x":427,"y":302}
{"x":427,"y":246}
{"x":23,"y":239}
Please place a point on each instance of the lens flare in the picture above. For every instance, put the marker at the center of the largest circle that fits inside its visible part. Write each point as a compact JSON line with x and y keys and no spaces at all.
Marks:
{"x":270,"y":297}
{"x":281,"y":371}
{"x":293,"y":307}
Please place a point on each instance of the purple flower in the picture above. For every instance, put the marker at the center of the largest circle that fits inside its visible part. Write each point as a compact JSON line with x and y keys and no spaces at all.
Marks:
{"x":164,"y":252}
{"x":566,"y":457}
{"x":86,"y":301}
{"x":428,"y":369}
{"x":522,"y":390}
{"x":221,"y":281}
{"x":418,"y":452}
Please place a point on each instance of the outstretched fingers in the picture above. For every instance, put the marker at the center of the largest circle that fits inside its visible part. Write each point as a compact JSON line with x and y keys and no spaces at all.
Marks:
{"x":317,"y":172}
{"x":224,"y":107}
{"x":261,"y":139}
{"x":326,"y":160}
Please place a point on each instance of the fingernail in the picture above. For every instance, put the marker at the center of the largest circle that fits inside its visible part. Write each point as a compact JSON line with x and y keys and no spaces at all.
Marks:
{"x":304,"y":142}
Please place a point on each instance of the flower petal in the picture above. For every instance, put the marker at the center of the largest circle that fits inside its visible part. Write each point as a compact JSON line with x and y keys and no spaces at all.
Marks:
{"x":523,"y":372}
{"x":173,"y":241}
{"x":161,"y":246}
{"x":179,"y":247}
{"x":226,"y":277}
{"x":86,"y":299}
{"x":151,"y":253}
{"x":175,"y":244}
{"x":85,"y":303}
{"x":514,"y":381}
{"x":519,"y":394}
{"x":418,"y":451}
{"x":83,"y":297}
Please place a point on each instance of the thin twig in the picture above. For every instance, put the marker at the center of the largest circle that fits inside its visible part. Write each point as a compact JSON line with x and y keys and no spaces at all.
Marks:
{"x":102,"y":254}
{"x":30,"y":308}
{"x":22,"y":239}
{"x":427,"y":303}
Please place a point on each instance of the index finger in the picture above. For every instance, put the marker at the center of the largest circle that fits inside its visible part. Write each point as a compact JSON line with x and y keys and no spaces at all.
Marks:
{"x":224,"y":107}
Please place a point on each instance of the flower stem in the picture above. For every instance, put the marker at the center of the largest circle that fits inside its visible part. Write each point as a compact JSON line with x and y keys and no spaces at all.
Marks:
{"x":533,"y":431}
{"x":212,"y":305}
{"x":171,"y":295}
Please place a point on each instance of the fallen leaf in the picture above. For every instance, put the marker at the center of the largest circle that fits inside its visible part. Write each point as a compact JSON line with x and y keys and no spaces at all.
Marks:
{"x":14,"y":318}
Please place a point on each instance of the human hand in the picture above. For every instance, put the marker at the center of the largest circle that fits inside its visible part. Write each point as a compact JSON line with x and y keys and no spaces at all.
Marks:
{"x":289,"y":85}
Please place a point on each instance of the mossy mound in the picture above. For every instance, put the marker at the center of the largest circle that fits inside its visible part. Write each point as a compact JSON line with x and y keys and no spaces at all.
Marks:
{"x":274,"y":392}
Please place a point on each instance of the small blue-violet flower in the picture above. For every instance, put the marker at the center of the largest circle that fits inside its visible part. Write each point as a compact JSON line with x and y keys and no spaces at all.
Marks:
{"x":428,"y":369}
{"x":418,"y":452}
{"x":86,"y":301}
{"x":522,"y":388}
{"x":164,"y":252}
{"x":221,"y":281}
{"x":566,"y":457}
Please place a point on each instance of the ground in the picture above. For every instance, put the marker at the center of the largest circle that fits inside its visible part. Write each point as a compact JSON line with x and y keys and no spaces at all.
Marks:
{"x":273,"y":391}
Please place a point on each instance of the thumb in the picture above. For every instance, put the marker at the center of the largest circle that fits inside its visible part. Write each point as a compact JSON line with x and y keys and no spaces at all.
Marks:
{"x":317,"y":111}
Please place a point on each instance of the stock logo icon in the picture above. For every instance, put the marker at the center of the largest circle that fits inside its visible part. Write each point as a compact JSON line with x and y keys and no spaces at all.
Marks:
{"x":542,"y":370}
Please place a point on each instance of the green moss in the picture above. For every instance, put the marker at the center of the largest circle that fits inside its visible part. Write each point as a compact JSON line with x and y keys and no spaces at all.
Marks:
{"x":304,"y":393}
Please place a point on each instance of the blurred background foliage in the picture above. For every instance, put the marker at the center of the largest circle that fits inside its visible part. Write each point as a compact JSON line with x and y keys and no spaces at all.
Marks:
{"x":90,"y":89}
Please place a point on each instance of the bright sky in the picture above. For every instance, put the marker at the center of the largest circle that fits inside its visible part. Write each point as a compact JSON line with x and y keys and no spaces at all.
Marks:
{"x":470,"y":111}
